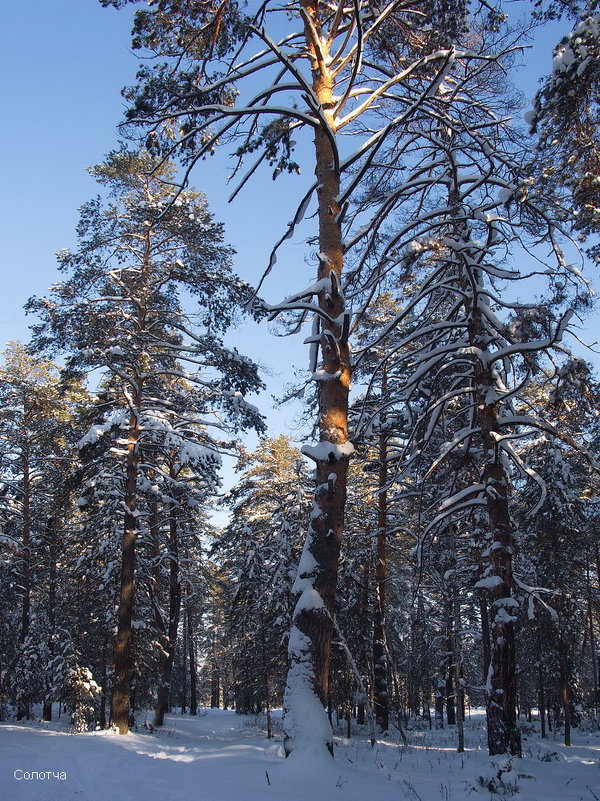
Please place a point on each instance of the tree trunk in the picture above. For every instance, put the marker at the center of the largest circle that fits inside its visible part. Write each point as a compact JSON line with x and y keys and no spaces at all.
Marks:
{"x":305,"y":722}
{"x":215,"y":687}
{"x":594,"y":655}
{"x":192,"y":650}
{"x":485,"y":634}
{"x":104,"y":683}
{"x":501,"y":694}
{"x":565,"y":692}
{"x":26,"y":552}
{"x":440,"y":690}
{"x":363,"y":616}
{"x":380,"y":666}
{"x":23,"y":705}
{"x":503,"y":733}
{"x":457,"y":675}
{"x":542,"y":703}
{"x":450,"y":666}
{"x":123,"y":662}
{"x":184,"y":672}
{"x":154,"y":529}
{"x":167,"y":656}
{"x":51,"y":608}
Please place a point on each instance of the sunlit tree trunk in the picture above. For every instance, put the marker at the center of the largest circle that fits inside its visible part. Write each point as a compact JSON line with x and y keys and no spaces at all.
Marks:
{"x":312,"y":625}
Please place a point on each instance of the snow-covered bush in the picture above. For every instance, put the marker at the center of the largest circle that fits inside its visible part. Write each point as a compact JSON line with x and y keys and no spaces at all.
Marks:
{"x":74,"y":685}
{"x":82,"y":692}
{"x":499,"y":779}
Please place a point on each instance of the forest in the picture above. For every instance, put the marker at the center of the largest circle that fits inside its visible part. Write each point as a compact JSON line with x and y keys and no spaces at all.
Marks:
{"x":425,"y":542}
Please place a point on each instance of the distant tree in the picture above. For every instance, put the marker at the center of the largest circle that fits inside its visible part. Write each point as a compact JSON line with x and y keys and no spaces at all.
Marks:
{"x":259,"y":550}
{"x":37,"y":418}
{"x":557,"y":544}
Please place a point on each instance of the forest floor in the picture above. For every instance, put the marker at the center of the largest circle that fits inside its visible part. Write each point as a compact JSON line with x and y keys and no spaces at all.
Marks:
{"x":221,"y":756}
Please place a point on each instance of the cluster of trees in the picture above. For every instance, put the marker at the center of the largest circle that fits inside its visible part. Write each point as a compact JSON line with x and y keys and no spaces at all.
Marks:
{"x":445,"y":545}
{"x":117,"y":486}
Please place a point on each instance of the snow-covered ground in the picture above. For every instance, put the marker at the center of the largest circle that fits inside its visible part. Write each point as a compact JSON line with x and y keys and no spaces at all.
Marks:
{"x":221,"y":756}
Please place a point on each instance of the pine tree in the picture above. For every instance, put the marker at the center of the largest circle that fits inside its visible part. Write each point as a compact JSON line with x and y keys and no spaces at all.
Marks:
{"x":168,"y":373}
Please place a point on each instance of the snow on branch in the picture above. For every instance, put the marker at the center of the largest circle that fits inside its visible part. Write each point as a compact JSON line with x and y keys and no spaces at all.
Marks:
{"x":536,"y":345}
{"x":328,"y":451}
{"x":534,"y":594}
{"x":457,"y":508}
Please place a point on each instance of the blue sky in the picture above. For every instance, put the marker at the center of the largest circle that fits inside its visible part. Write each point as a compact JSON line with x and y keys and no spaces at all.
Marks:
{"x":63,"y":64}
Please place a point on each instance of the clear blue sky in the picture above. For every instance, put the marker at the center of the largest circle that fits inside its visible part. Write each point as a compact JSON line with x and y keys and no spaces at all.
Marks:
{"x":63,"y":64}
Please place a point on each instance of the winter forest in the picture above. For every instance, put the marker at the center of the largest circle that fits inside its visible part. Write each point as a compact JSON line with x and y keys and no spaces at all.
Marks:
{"x":399,"y":596}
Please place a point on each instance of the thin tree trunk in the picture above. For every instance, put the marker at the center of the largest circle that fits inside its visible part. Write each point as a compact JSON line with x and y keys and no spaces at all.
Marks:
{"x":380,"y":666}
{"x":364,"y":616}
{"x":305,"y":722}
{"x":396,"y":684}
{"x":485,"y":634}
{"x":26,"y":552}
{"x":154,"y":529}
{"x":440,"y":690}
{"x":450,"y":649}
{"x":51,"y":608}
{"x":192,"y":650}
{"x":541,"y":689}
{"x":167,"y":656}
{"x":457,"y":675}
{"x":341,"y":641}
{"x":565,"y":692}
{"x":215,"y":687}
{"x":23,"y":706}
{"x":595,"y":679}
{"x":184,"y":671}
{"x":104,"y":682}
{"x":121,"y":700}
